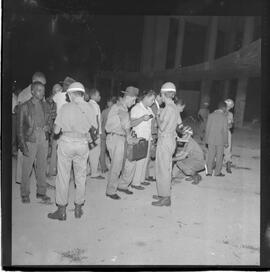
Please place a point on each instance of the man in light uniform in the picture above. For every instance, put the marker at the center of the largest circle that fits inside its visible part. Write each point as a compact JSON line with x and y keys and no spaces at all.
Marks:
{"x":141,"y":118}
{"x":118,"y":129}
{"x":228,"y":150}
{"x":74,"y":120}
{"x":94,"y":153}
{"x":166,"y":145}
{"x":103,"y":148}
{"x":189,"y":160}
{"x":24,"y":96}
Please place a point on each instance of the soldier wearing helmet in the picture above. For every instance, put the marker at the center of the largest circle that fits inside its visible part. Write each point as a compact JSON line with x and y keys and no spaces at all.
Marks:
{"x":168,"y":120}
{"x":190,"y":159}
{"x":228,"y":150}
{"x":74,"y":121}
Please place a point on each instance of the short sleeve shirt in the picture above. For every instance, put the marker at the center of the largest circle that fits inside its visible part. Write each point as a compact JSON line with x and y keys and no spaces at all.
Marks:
{"x":144,"y":128}
{"x":75,"y":117}
{"x":118,"y":119}
{"x":170,"y":115}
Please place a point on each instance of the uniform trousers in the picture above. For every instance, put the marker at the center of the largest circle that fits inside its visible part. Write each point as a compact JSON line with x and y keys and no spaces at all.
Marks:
{"x":53,"y":159}
{"x":228,"y":150}
{"x":103,"y":152}
{"x":94,"y":155}
{"x":116,"y":147}
{"x":71,"y":151}
{"x":190,"y":166}
{"x":165,"y":149}
{"x":134,"y":172}
{"x":38,"y":152}
{"x":215,"y":154}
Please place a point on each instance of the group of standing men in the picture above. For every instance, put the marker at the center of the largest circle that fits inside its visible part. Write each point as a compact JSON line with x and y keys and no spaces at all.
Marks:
{"x":69,"y":125}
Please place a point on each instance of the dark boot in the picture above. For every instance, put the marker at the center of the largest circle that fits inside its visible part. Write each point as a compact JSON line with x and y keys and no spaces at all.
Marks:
{"x":196,"y":179}
{"x":163,"y":201}
{"x":228,"y":167}
{"x":78,"y":210}
{"x":59,"y":214}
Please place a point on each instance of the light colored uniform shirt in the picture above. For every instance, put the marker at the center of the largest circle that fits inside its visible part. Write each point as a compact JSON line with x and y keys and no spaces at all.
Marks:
{"x":60,"y":100}
{"x":25,"y":95}
{"x":170,"y":116}
{"x":144,"y":128}
{"x":118,"y":119}
{"x":194,"y":150}
{"x":75,"y":117}
{"x":96,"y":107}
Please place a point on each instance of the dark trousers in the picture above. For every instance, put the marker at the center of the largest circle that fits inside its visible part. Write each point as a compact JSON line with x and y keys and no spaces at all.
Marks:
{"x":37,"y":152}
{"x":215,"y":153}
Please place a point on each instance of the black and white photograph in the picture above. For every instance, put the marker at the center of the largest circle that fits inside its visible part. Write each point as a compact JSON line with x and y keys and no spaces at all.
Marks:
{"x":135,"y":138}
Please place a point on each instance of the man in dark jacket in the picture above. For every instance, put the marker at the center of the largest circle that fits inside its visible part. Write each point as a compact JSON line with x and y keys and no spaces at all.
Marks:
{"x":216,"y":138}
{"x":34,"y":125}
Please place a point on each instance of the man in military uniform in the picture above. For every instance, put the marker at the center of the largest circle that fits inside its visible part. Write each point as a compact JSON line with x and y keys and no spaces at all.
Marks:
{"x":190,"y":160}
{"x":228,"y":150}
{"x":118,"y":129}
{"x":166,"y":145}
{"x":74,"y":121}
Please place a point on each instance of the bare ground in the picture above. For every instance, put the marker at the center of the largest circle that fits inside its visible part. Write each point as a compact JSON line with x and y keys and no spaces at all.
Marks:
{"x":214,"y":223}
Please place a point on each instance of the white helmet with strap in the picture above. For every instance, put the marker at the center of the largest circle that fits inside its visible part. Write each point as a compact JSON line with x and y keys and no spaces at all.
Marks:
{"x":168,"y":87}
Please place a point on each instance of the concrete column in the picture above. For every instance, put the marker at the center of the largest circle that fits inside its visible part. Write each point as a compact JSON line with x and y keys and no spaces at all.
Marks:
{"x":241,"y":93}
{"x":180,"y":42}
{"x":210,"y":51}
{"x":148,"y":42}
{"x":161,"y":42}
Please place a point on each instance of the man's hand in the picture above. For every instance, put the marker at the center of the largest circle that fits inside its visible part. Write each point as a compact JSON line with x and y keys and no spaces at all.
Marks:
{"x":146,"y":117}
{"x":24,"y":149}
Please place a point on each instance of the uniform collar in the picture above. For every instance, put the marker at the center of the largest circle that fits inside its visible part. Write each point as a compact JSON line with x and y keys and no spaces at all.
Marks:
{"x":93,"y":101}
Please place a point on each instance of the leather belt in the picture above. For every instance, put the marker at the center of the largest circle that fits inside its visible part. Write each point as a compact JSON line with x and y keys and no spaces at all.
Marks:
{"x":76,"y":135}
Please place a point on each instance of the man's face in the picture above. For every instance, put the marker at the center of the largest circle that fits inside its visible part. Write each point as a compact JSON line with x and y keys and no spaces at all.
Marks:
{"x":97,"y":97}
{"x":159,"y":99}
{"x":39,"y":92}
{"x":109,"y":104}
{"x":149,"y":100}
{"x":130,"y":101}
{"x":40,"y":79}
{"x":180,"y":107}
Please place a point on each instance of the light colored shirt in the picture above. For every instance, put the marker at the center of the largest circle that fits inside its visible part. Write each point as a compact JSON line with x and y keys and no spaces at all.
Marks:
{"x":194,"y":150}
{"x":118,"y":120}
{"x":169,"y":117}
{"x":96,"y":107}
{"x":144,"y":128}
{"x":104,"y":117}
{"x":25,"y":95}
{"x":75,"y":117}
{"x":60,"y":100}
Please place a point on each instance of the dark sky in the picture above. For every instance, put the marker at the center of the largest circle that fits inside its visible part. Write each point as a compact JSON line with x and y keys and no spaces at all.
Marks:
{"x":79,"y":47}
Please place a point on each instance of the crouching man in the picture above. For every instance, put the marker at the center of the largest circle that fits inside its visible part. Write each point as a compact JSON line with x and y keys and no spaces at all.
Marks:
{"x":190,"y":160}
{"x":74,"y":121}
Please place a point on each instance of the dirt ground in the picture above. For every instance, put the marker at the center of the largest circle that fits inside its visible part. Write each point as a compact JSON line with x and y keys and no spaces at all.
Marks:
{"x":214,"y":223}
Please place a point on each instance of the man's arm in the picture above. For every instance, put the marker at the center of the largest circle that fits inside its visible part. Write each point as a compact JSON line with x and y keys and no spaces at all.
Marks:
{"x":20,"y":126}
{"x":226,"y":131}
{"x":208,"y":125}
{"x":167,"y":119}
